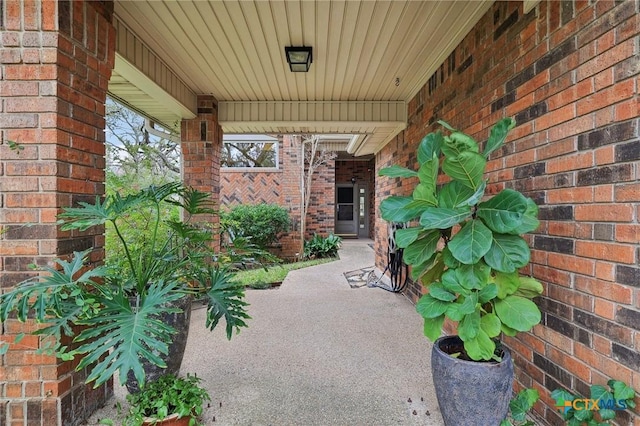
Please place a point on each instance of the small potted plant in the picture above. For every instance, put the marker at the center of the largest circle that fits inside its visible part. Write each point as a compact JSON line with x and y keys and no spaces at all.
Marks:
{"x":467,"y":249}
{"x":167,"y":401}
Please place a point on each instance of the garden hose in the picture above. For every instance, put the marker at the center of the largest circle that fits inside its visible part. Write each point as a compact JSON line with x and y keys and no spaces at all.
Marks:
{"x":398,"y":270}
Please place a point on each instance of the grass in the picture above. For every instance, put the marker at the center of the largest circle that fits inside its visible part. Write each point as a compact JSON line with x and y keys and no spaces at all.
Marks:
{"x":261,"y":278}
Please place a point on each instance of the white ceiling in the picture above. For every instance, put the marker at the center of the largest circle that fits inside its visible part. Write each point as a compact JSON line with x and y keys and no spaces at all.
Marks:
{"x":362,"y":50}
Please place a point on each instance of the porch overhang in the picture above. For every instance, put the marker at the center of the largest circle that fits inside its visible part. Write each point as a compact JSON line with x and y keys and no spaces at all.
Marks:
{"x":370,"y":58}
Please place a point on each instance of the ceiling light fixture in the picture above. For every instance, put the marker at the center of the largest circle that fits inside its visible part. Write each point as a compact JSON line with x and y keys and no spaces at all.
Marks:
{"x":299,"y":58}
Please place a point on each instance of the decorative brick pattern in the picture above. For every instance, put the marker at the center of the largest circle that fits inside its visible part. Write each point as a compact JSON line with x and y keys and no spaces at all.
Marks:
{"x":55,"y":63}
{"x":282,"y":187}
{"x":568,"y":73}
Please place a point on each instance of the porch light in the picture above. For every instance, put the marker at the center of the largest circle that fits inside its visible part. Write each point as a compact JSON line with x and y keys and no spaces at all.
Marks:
{"x":299,"y":58}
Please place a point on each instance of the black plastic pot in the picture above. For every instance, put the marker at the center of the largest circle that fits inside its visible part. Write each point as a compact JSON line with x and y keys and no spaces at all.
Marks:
{"x":470,"y":393}
{"x":179,"y":321}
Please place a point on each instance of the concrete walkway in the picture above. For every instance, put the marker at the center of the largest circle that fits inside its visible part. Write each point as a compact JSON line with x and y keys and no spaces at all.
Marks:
{"x":317,"y":352}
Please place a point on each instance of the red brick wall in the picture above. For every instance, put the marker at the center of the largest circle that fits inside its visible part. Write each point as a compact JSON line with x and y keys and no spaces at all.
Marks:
{"x":282,"y":187}
{"x":201,"y":145}
{"x":55,"y":64}
{"x":568,"y":73}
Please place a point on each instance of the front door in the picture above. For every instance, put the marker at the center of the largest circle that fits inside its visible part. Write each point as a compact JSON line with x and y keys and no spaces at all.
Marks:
{"x":346,"y":210}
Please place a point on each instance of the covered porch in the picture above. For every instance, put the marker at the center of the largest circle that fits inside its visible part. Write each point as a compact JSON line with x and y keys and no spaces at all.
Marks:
{"x":386,"y":71}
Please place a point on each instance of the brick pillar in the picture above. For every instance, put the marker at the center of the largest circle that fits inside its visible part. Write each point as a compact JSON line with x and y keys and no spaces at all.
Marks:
{"x":201,"y":148}
{"x":55,"y":63}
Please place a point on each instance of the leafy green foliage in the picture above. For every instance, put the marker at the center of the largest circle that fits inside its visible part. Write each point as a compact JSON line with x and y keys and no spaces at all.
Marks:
{"x":519,"y":406}
{"x":261,"y":278}
{"x":117,"y":309}
{"x":322,"y":247}
{"x":165,"y":396}
{"x":262,"y":224}
{"x":597,"y":410}
{"x":466,"y":248}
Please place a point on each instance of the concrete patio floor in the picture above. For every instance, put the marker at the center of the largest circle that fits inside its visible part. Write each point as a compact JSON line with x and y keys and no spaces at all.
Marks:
{"x":317,"y":352}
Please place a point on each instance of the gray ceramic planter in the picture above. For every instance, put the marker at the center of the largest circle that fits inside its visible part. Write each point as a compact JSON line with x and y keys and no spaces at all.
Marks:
{"x":470,"y":393}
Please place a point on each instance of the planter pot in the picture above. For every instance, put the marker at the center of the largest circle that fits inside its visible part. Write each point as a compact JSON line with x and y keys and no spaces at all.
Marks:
{"x":172,"y":420}
{"x":470,"y":393}
{"x":180,"y":322}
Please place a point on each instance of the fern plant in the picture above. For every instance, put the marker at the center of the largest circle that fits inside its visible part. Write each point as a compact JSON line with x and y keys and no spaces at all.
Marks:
{"x":112,"y":314}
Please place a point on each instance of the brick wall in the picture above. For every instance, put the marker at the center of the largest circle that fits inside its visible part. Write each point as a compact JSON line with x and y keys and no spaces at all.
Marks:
{"x":282,"y":187}
{"x":55,"y":64}
{"x":568,"y":73}
{"x":201,"y":147}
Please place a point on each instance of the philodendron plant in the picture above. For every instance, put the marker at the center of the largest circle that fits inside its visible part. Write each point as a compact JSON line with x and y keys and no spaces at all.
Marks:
{"x":465,"y":247}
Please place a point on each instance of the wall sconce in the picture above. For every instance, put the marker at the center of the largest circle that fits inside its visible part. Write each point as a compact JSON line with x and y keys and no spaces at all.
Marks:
{"x":353,"y":180}
{"x":299,"y":58}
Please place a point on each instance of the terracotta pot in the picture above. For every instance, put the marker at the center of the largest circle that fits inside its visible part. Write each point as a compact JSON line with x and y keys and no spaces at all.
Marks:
{"x":172,"y":420}
{"x":470,"y":393}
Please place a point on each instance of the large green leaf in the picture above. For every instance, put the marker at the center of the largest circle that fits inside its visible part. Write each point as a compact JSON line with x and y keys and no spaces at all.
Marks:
{"x":474,"y":276}
{"x":498,"y":135}
{"x":481,"y":347}
{"x":397,"y":171}
{"x":504,"y":212}
{"x":425,"y":195}
{"x":451,"y":283}
{"x":430,"y":147}
{"x":491,"y":325}
{"x":438,"y":291}
{"x":476,"y":196}
{"x":469,"y":327}
{"x":428,"y":175}
{"x":395,"y":209}
{"x":406,"y":236}
{"x":435,"y":271}
{"x":467,"y":168}
{"x":489,"y":292}
{"x":433,"y":327}
{"x":530,"y":220}
{"x":441,"y":218}
{"x":422,"y":249}
{"x":471,"y":243}
{"x":225,"y":298}
{"x":457,"y":143}
{"x":453,"y":194}
{"x":529,"y":288}
{"x":517,"y":312}
{"x":419,"y":269}
{"x":430,"y":307}
{"x":507,"y":253}
{"x":507,"y":283}
{"x":122,"y":335}
{"x":448,"y":259}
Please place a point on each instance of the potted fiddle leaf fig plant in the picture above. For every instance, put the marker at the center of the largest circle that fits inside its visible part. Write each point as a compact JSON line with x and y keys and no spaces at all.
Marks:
{"x":466,"y":248}
{"x":132,"y":315}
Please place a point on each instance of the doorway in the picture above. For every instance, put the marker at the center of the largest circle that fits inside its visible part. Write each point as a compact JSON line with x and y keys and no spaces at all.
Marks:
{"x":352,"y":216}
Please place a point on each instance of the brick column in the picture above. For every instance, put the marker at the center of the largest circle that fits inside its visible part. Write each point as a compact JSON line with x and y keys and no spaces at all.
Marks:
{"x":55,"y":63}
{"x":201,"y":148}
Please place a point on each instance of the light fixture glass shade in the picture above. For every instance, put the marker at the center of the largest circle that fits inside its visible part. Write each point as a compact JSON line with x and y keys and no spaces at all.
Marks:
{"x":299,"y":58}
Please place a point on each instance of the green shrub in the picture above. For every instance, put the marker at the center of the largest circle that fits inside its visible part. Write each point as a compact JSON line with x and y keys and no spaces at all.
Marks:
{"x":319,"y":246}
{"x":261,"y":223}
